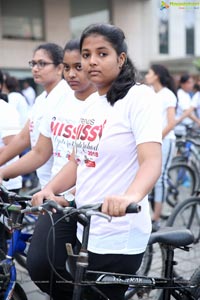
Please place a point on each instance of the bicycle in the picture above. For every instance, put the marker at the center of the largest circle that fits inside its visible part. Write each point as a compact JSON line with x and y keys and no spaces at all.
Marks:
{"x":178,"y":173}
{"x":187,"y":152}
{"x":12,"y":220}
{"x":28,"y":220}
{"x":168,"y":239}
{"x":187,"y":215}
{"x":183,"y":174}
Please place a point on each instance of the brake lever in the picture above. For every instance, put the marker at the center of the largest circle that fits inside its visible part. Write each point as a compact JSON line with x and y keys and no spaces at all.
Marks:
{"x":98,"y":213}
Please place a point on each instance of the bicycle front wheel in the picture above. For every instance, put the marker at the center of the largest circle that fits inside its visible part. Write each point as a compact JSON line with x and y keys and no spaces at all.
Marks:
{"x":182,"y":182}
{"x":195,"y":281}
{"x":187,"y":215}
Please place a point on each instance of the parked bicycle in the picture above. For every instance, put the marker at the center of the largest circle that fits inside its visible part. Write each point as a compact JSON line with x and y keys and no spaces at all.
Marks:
{"x":165,"y":286}
{"x":184,"y":173}
{"x":12,"y":220}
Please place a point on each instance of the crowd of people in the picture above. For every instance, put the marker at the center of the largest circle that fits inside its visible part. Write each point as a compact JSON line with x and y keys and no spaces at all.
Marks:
{"x":99,"y":134}
{"x":12,"y":93}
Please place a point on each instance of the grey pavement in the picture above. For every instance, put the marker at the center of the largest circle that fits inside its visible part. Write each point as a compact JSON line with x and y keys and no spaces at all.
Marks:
{"x":31,"y":290}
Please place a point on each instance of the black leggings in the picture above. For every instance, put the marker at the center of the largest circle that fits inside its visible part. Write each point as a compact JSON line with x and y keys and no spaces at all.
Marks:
{"x":65,"y":232}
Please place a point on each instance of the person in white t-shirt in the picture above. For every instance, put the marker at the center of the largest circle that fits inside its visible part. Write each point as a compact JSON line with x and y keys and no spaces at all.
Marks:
{"x":57,"y":137}
{"x":196,"y":99}
{"x":29,"y":93}
{"x":163,"y":84}
{"x":116,"y":159}
{"x":47,"y":70}
{"x":9,"y":127}
{"x":16,"y":98}
{"x":184,"y":114}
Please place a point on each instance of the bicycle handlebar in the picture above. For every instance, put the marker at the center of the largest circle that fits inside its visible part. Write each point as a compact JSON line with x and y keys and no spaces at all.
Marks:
{"x":10,"y":197}
{"x":87,"y":210}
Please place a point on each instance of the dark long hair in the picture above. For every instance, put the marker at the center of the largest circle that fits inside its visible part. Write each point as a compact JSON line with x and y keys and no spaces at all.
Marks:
{"x":127,"y":76}
{"x":165,"y":77}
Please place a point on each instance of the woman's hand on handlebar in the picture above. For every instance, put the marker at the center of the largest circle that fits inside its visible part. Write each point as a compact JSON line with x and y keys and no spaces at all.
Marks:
{"x":47,"y":194}
{"x":116,"y":205}
{"x":39,"y":197}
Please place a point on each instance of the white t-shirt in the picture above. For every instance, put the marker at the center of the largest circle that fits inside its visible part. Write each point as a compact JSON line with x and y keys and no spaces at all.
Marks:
{"x":184,"y":103}
{"x":30,"y":95}
{"x":19,"y":102}
{"x":9,"y":125}
{"x":196,"y":103}
{"x":167,"y":99}
{"x":43,"y":104}
{"x":60,"y":125}
{"x":106,"y":150}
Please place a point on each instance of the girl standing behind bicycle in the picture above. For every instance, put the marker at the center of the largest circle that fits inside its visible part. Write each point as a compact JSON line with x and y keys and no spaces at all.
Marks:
{"x":117,"y":156}
{"x":164,"y":86}
{"x":47,"y":70}
{"x":57,"y":136}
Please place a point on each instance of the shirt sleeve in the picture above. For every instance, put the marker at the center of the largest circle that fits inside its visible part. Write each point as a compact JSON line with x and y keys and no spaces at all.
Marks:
{"x":196,"y":100}
{"x":146,"y":116}
{"x":45,"y":126}
{"x":184,"y":101}
{"x":9,"y":121}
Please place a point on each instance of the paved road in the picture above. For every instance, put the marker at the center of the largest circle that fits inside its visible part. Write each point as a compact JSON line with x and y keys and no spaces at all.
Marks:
{"x":31,"y":290}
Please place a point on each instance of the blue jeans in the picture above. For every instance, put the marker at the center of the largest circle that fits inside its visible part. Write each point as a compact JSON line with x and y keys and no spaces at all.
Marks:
{"x":160,"y":188}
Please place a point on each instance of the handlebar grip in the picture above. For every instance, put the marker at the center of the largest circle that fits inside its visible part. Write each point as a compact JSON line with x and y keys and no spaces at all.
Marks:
{"x":133,"y":208}
{"x":48,"y":205}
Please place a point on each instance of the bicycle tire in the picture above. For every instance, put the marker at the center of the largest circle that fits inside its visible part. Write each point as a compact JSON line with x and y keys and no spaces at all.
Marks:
{"x":177,"y":187}
{"x":187,"y":215}
{"x":18,"y":293}
{"x":187,"y":171}
{"x":195,"y":280}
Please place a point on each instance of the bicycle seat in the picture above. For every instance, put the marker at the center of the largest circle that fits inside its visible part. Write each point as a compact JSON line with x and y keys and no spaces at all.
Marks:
{"x":172,"y":236}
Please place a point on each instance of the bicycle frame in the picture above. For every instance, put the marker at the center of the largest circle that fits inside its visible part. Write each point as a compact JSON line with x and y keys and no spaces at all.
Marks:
{"x":169,"y":239}
{"x":169,"y":285}
{"x":169,"y":288}
{"x":16,"y":244}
